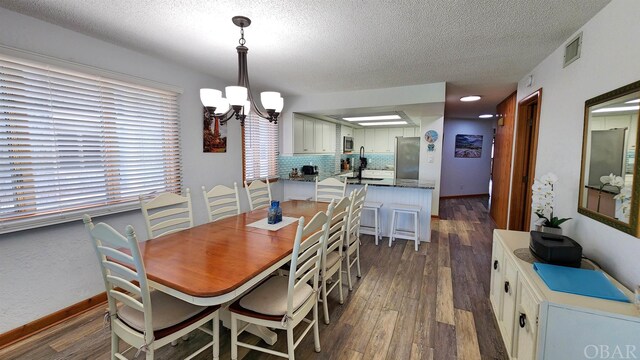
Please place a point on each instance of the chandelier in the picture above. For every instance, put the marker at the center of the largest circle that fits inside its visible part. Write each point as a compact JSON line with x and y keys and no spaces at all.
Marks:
{"x":239,"y":101}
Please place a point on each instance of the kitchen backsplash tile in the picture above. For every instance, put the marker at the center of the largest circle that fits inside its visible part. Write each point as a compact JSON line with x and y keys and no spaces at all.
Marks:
{"x":375,"y":161}
{"x":326,"y":164}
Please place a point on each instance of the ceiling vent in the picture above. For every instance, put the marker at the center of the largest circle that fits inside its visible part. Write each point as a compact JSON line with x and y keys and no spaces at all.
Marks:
{"x":572,"y":50}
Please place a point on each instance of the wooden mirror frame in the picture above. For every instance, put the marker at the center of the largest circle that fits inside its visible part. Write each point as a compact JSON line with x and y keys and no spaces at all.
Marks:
{"x":632,"y":226}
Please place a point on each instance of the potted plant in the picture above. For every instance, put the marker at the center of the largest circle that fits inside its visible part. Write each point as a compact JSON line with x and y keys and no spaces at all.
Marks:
{"x":623,"y":196}
{"x":542,"y":204}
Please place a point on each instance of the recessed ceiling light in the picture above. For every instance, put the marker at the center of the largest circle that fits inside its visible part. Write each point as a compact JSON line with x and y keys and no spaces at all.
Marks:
{"x":617,"y":109}
{"x":368,"y":118}
{"x":384,"y":123}
{"x":485,"y":116}
{"x":470,"y":98}
{"x":633,"y":101}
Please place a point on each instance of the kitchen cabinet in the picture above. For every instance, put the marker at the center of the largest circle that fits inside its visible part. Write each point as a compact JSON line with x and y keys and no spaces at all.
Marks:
{"x":381,"y":141}
{"x":538,"y":323}
{"x":411,"y":131}
{"x":369,"y":140}
{"x":313,"y":136}
{"x":358,"y":139}
{"x":393,"y":134}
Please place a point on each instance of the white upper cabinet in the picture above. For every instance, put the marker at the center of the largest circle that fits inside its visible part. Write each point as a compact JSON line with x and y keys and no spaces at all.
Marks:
{"x":381,"y":141}
{"x":358,"y":139}
{"x":312,"y":136}
{"x":411,"y":131}
{"x":393,"y":134}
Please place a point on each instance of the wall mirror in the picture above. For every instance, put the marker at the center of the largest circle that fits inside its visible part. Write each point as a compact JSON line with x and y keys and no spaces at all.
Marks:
{"x":609,"y":179}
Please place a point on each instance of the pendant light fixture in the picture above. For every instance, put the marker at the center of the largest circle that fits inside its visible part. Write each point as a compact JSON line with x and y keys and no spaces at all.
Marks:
{"x":239,"y":101}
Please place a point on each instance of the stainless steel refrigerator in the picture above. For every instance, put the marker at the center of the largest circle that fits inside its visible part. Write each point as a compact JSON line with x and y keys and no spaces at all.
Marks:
{"x":407,"y":157}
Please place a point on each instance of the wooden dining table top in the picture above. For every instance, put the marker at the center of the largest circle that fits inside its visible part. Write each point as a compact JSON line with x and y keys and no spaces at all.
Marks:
{"x":216,"y":258}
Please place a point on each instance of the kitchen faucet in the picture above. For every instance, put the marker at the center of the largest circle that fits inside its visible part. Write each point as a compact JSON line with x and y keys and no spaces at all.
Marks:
{"x":363,"y":163}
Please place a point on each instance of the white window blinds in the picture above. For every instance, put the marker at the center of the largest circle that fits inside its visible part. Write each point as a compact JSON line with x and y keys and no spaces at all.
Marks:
{"x":260,"y":148}
{"x":73,"y":142}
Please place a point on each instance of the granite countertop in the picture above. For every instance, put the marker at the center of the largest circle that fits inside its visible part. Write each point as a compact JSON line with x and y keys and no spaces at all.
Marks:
{"x":408,"y":183}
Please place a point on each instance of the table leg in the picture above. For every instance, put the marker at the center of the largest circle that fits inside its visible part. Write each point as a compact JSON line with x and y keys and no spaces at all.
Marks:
{"x":262,"y":332}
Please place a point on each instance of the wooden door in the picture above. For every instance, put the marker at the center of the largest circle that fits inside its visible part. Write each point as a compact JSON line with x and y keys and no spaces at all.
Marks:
{"x":524,"y":163}
{"x":501,"y":172}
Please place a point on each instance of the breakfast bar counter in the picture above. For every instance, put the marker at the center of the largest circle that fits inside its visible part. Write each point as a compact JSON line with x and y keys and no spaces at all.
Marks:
{"x":385,"y":191}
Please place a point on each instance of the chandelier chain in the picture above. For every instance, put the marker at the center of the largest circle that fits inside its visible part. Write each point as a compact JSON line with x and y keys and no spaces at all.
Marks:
{"x":242,"y":41}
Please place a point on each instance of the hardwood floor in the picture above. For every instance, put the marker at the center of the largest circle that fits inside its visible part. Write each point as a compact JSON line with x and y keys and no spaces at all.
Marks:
{"x":430,"y":304}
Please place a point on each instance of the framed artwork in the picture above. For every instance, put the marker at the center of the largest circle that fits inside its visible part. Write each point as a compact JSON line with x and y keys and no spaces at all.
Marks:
{"x":214,"y":135}
{"x":468,"y":146}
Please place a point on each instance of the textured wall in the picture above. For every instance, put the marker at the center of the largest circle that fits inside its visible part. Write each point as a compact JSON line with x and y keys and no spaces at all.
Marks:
{"x":606,"y":63}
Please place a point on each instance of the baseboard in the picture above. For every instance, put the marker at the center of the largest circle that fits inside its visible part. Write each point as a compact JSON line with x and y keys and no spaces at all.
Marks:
{"x":50,"y":320}
{"x":463,"y":196}
{"x":435,"y":216}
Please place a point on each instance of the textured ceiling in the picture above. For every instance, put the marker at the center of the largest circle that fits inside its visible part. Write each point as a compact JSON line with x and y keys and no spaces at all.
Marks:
{"x":311,"y":46}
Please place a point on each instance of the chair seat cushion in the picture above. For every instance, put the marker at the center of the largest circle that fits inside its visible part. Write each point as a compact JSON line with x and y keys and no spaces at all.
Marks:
{"x":332,"y":258}
{"x":167,"y":311}
{"x":270,"y":297}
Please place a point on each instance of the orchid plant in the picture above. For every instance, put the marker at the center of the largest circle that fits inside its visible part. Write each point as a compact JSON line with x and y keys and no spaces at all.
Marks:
{"x":624,"y":193}
{"x":543,"y":199}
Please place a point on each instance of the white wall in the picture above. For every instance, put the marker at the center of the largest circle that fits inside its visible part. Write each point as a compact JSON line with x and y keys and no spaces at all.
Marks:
{"x":609,"y":60}
{"x":431,"y":162}
{"x":462,"y":176}
{"x":44,"y":270}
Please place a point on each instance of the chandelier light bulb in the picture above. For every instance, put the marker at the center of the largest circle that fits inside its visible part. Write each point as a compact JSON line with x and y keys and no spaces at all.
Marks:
{"x":279,"y":105}
{"x":269,"y":99}
{"x":247,"y":107}
{"x":210,"y":97}
{"x":222,"y":106}
{"x":237,"y":95}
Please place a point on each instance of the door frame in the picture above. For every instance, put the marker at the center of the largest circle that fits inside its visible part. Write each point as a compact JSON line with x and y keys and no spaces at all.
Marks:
{"x":524,"y":163}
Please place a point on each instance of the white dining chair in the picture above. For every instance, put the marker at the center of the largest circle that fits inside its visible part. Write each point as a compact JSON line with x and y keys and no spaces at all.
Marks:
{"x":330,"y":189}
{"x":352,"y":239}
{"x":167,"y":213}
{"x":222,"y":202}
{"x":332,"y":253}
{"x":282,"y":302}
{"x":146,"y":320}
{"x":258,"y":193}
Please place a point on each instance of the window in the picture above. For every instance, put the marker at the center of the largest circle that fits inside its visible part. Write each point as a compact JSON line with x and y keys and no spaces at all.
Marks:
{"x":260,"y":144}
{"x":72,"y":143}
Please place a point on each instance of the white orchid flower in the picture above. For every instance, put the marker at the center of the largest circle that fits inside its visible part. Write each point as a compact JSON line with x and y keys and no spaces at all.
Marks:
{"x":549,"y":178}
{"x":605,"y":179}
{"x":617,"y":181}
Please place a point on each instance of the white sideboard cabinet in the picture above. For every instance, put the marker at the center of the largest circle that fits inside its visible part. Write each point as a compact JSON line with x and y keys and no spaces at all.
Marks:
{"x":538,"y":323}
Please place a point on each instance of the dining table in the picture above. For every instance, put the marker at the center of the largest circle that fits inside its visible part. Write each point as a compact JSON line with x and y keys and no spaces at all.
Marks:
{"x":217,"y":262}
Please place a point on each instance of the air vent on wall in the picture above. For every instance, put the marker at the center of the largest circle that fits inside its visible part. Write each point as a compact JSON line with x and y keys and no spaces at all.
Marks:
{"x":572,"y":50}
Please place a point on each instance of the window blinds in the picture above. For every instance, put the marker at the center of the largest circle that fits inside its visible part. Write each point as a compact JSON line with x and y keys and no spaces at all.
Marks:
{"x":260,"y":148}
{"x":70,"y":142}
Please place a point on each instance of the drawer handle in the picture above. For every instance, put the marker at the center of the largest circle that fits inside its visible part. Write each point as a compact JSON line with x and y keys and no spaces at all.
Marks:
{"x":522,"y":320}
{"x":495,"y":265}
{"x":506,"y":287}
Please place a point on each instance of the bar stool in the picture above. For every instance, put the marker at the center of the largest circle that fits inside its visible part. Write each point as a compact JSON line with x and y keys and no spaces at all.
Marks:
{"x":376,"y":229}
{"x":395,"y":233}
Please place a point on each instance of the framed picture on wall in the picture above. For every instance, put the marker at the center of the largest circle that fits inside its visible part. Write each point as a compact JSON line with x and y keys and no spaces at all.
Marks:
{"x":214,"y":135}
{"x":468,"y":146}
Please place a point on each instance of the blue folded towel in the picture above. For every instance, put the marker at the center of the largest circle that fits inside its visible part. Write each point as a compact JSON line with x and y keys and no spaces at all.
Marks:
{"x":579,"y":281}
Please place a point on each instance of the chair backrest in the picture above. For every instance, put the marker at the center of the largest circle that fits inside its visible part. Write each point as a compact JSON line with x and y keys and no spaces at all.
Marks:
{"x":259,"y":194}
{"x":221,"y":201}
{"x":336,"y":229}
{"x":355,"y":212}
{"x":167,"y":213}
{"x":330,"y":189}
{"x":307,"y":255}
{"x":125,"y":278}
